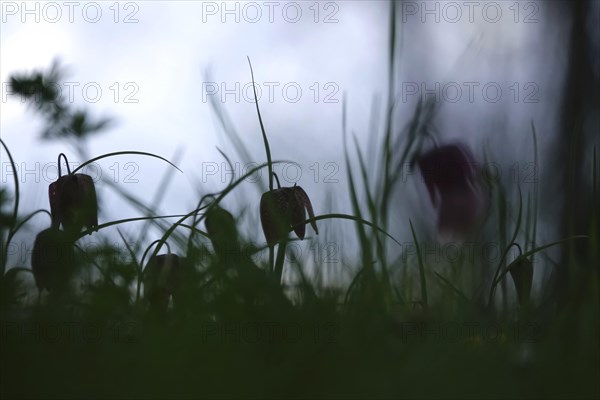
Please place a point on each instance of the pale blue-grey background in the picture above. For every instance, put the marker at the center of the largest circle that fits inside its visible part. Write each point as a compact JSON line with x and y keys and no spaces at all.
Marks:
{"x":167,"y":53}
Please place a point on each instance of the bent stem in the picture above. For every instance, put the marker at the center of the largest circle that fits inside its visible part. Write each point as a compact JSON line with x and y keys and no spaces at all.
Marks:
{"x":66,"y":163}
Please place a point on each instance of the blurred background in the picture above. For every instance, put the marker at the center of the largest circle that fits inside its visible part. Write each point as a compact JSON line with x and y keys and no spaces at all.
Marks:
{"x":163,"y":71}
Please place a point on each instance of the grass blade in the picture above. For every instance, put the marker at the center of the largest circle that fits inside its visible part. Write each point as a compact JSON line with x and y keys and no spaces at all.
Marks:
{"x":120,"y":153}
{"x":421,"y":266}
{"x":262,"y":128}
{"x":512,"y":241}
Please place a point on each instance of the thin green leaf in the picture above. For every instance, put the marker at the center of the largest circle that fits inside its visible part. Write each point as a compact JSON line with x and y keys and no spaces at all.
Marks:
{"x":421,"y":266}
{"x":119,"y":153}
{"x":262,"y":128}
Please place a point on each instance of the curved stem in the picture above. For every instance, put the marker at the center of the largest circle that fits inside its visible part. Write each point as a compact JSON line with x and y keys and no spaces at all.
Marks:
{"x":66,"y":163}
{"x":16,"y":206}
{"x":149,"y":247}
{"x":518,"y":247}
{"x":277,"y":179}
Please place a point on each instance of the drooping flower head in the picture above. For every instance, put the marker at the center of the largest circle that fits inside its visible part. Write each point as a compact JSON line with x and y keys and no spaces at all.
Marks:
{"x":283,"y":210}
{"x":73,"y":202}
{"x":161,"y":280}
{"x":222,"y":231}
{"x":52,"y":259}
{"x":451,"y":176}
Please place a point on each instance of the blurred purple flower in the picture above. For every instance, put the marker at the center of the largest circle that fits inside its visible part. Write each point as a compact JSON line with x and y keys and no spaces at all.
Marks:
{"x":456,"y":191}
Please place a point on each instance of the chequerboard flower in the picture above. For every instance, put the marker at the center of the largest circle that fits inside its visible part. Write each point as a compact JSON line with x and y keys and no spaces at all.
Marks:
{"x":73,"y":202}
{"x":283,"y":210}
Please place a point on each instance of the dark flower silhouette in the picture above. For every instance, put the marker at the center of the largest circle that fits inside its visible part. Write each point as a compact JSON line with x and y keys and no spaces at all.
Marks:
{"x":222,"y":231}
{"x":52,"y":259}
{"x":161,"y":278}
{"x":73,"y":202}
{"x":283,"y":210}
{"x":451,"y":177}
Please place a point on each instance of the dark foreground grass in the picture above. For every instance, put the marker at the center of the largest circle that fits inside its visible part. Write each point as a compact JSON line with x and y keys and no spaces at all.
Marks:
{"x":305,"y":353}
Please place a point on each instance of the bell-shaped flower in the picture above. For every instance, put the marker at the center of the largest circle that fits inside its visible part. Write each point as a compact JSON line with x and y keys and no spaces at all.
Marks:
{"x":73,"y":202}
{"x":455,"y":189}
{"x":52,"y":259}
{"x":161,"y":280}
{"x":222,"y":232}
{"x":283,"y":210}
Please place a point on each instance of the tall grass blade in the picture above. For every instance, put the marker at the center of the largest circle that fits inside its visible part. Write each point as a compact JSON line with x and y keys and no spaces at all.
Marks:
{"x":262,"y":128}
{"x":421,"y":266}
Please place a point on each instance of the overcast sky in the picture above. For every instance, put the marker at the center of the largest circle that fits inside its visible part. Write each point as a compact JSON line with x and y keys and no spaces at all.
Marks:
{"x":146,"y":65}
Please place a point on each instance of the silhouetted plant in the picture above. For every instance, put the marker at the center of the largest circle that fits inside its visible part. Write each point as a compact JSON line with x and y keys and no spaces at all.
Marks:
{"x":42,"y":91}
{"x":52,"y":260}
{"x":223,"y":234}
{"x":73,"y":201}
{"x":161,"y":280}
{"x":283,"y":210}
